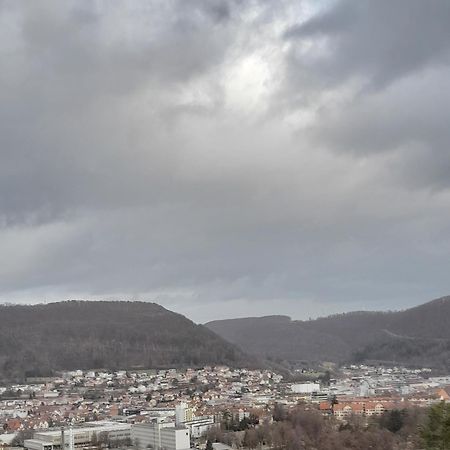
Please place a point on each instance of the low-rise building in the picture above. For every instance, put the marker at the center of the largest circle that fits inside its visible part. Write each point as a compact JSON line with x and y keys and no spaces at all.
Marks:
{"x":78,"y":437}
{"x":199,"y":426}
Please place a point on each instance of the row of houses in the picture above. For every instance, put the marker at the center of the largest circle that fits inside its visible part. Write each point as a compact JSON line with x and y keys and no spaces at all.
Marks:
{"x":358,"y":407}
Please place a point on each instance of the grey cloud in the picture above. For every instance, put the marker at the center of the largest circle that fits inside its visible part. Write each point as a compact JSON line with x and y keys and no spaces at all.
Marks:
{"x":67,"y":115}
{"x":376,"y":75}
{"x":381,"y":41}
{"x":407,"y":123}
{"x":144,"y":154}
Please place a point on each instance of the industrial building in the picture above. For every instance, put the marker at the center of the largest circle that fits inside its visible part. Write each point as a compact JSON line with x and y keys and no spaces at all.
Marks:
{"x":78,"y":437}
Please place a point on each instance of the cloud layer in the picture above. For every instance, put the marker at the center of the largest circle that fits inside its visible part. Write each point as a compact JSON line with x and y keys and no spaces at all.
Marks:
{"x":226,"y":158}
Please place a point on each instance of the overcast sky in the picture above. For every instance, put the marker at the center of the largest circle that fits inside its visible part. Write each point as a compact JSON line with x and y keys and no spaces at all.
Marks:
{"x":226,"y":157}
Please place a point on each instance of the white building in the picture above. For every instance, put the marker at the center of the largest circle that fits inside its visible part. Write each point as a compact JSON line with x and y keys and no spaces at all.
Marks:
{"x":182,"y":414}
{"x":78,"y":437}
{"x":160,"y":436}
{"x":305,"y":388}
{"x":198,"y":426}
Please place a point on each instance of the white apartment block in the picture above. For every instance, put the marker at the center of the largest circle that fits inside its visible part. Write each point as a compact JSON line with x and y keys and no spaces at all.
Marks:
{"x":160,"y":436}
{"x":183,"y":414}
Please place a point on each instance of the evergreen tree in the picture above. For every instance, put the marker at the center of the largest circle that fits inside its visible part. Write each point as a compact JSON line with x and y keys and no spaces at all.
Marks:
{"x":436,"y":433}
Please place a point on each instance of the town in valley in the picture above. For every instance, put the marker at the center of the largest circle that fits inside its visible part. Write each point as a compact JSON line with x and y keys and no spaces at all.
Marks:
{"x":177,"y":409}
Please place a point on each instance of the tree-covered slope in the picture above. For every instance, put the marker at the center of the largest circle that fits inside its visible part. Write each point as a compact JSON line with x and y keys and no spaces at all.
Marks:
{"x":416,"y":336}
{"x":78,"y":334}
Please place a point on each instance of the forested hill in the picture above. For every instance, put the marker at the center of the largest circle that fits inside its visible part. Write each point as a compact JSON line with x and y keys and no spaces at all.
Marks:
{"x":38,"y":339}
{"x":416,"y":336}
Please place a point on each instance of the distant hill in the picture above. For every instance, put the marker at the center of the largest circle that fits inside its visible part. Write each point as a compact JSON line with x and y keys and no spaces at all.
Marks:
{"x":416,"y":336}
{"x":39,"y":339}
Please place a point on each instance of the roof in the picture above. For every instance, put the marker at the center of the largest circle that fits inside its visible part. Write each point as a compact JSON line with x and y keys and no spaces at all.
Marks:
{"x":220,"y":446}
{"x":7,"y":438}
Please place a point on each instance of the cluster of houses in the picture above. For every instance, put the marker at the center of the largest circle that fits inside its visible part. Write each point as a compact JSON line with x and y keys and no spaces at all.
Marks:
{"x":199,"y":399}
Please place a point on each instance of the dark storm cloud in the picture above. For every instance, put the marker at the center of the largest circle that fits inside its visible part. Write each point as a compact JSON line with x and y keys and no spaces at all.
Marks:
{"x":196,"y":152}
{"x":381,"y":41}
{"x":69,"y":92}
{"x":391,"y":59}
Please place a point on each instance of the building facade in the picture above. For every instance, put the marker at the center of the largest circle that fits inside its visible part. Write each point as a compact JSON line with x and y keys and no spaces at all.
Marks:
{"x":78,"y":437}
{"x":160,"y":436}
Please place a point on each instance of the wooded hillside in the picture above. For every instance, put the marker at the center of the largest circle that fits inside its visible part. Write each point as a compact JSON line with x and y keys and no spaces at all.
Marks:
{"x":38,"y":339}
{"x":416,"y":336}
